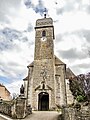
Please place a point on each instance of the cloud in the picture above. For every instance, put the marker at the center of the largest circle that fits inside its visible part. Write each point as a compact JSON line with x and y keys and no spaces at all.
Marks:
{"x":6,"y":9}
{"x":72,"y":53}
{"x":68,"y":22}
{"x":86,"y":34}
{"x":77,"y":39}
{"x":14,"y":54}
{"x":58,"y":38}
{"x":68,"y":7}
{"x":30,"y":27}
{"x":28,"y":3}
{"x":73,"y":6}
{"x":72,"y":48}
{"x":18,"y":17}
{"x":16,"y":43}
{"x":14,"y":15}
{"x":8,"y":37}
{"x":14,"y":87}
{"x":38,"y":8}
{"x":13,"y":62}
{"x":82,"y":67}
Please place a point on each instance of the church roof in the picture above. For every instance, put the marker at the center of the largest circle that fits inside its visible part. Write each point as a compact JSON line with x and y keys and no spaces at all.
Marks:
{"x":25,"y":79}
{"x":31,"y":64}
{"x":58,"y":61}
{"x":5,"y":88}
{"x":69,"y":73}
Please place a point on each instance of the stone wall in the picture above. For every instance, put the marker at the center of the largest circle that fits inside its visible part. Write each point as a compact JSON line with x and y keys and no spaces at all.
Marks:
{"x":5,"y":108}
{"x":16,"y":109}
{"x":76,"y":113}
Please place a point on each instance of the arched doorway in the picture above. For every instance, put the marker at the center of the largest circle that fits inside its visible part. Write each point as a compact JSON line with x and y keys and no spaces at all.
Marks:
{"x":43,"y":101}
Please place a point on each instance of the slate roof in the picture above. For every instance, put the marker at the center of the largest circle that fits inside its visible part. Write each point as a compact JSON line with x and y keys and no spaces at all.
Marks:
{"x":58,"y":61}
{"x":31,"y":64}
{"x":69,"y":73}
{"x":25,"y":79}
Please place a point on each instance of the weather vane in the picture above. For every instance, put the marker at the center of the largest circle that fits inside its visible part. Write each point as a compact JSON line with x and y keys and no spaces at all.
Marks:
{"x":45,"y":13}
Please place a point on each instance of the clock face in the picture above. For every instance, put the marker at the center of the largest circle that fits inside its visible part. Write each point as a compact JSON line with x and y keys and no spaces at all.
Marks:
{"x":43,"y":39}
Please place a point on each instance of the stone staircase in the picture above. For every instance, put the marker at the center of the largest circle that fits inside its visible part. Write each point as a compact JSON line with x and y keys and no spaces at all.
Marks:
{"x":43,"y":115}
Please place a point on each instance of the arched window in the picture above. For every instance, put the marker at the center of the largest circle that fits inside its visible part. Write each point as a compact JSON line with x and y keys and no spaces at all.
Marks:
{"x":43,"y":33}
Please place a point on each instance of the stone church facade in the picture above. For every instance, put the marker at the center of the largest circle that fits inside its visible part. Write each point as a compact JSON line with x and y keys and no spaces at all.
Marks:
{"x":45,"y":86}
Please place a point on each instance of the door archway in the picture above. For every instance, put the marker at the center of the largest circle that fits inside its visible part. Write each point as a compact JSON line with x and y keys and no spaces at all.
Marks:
{"x":43,"y":101}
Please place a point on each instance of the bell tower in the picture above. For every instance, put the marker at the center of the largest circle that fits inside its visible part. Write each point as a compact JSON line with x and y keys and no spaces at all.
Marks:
{"x":43,"y":92}
{"x":44,"y":39}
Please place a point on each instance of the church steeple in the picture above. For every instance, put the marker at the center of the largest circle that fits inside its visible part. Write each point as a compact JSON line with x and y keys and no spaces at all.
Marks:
{"x":44,"y":48}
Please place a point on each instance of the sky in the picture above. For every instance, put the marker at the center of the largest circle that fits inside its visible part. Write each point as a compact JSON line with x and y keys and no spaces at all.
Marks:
{"x":17,"y":36}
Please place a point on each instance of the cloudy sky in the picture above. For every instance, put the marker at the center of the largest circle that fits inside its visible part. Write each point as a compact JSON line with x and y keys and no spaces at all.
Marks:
{"x":17,"y":36}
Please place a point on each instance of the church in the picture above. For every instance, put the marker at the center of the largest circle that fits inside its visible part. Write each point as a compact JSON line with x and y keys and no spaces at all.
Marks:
{"x":45,"y":85}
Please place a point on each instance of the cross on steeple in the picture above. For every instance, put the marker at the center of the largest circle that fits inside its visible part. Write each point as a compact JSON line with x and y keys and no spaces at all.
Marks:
{"x":45,"y":13}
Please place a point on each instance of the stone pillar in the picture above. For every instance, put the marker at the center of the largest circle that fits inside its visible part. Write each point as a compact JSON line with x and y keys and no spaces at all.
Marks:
{"x":20,"y":107}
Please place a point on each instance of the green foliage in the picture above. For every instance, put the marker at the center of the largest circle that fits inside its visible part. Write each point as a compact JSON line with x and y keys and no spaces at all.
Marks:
{"x":80,"y":98}
{"x":77,"y":88}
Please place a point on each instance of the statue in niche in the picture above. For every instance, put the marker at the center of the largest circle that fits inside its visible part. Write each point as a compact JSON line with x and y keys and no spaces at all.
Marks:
{"x":43,"y":86}
{"x":22,"y":90}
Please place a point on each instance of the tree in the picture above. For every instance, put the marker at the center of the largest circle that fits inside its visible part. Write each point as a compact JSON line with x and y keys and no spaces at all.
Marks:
{"x":80,"y":87}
